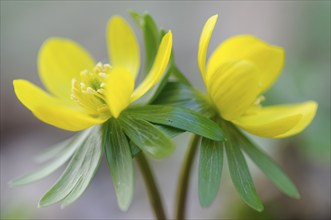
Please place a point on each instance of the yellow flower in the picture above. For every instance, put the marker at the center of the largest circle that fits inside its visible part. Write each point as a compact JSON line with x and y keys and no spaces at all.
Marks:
{"x":83,"y":93}
{"x":237,"y":74}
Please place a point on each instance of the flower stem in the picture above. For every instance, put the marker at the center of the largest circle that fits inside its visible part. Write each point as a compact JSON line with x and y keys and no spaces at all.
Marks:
{"x":184,"y":178}
{"x":151,"y":186}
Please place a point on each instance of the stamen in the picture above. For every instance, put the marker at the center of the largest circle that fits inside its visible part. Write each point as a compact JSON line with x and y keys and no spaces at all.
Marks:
{"x":103,"y":75}
{"x":259,"y":100}
{"x":256,"y":106}
{"x":89,"y":89}
{"x":100,"y":91}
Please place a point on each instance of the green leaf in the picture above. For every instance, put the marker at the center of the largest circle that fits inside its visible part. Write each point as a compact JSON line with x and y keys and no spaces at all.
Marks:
{"x":54,"y":151}
{"x":137,"y":18}
{"x":240,"y":175}
{"x":61,"y":153}
{"x":178,"y":117}
{"x":170,"y":131}
{"x":134,"y":149}
{"x":156,"y":89}
{"x":268,"y":166}
{"x":119,"y":159}
{"x":152,"y":40}
{"x":210,"y":170}
{"x":175,"y":92}
{"x":151,"y":36}
{"x":180,"y":94}
{"x":78,"y":173}
{"x":147,"y":137}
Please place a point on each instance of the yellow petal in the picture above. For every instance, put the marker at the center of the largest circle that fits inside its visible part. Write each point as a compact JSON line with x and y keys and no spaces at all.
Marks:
{"x":204,"y":42}
{"x":59,"y":61}
{"x":123,"y":47}
{"x":279,"y":121}
{"x":118,"y":89}
{"x":234,"y":87}
{"x":269,"y":59}
{"x":52,"y":110}
{"x":158,"y":68}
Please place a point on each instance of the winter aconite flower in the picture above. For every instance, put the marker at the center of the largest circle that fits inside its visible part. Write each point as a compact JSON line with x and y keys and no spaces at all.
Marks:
{"x":84,"y":93}
{"x":238,"y":72}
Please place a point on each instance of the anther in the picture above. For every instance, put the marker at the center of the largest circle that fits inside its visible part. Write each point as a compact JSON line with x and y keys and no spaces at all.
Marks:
{"x":89,"y":89}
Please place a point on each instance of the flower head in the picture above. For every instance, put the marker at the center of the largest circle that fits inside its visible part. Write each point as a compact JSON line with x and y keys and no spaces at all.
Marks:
{"x":237,"y":74}
{"x":84,"y":93}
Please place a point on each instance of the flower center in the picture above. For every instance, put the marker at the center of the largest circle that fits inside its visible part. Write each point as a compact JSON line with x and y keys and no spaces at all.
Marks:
{"x":88,"y":91}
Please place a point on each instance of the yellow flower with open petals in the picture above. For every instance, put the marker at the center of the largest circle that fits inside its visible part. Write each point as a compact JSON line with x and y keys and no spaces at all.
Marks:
{"x":237,"y":74}
{"x":83,"y":93}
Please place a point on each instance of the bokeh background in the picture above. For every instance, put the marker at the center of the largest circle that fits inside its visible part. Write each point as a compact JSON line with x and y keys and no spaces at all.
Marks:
{"x":301,"y":27}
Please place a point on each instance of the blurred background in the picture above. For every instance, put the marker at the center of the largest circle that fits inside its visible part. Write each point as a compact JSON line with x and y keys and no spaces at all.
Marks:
{"x":301,"y":27}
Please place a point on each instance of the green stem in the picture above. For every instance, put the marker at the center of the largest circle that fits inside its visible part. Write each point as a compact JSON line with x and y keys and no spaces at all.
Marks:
{"x":151,"y":186}
{"x":184,"y":178}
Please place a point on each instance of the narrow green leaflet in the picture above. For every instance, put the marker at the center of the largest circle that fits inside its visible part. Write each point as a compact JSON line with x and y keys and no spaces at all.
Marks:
{"x":269,"y":167}
{"x":78,"y":173}
{"x":151,"y":36}
{"x":89,"y":166}
{"x":147,"y":137}
{"x":240,"y":175}
{"x":170,"y":131}
{"x":210,"y":170}
{"x":54,"y":151}
{"x":63,"y":152}
{"x":152,"y":39}
{"x":137,"y":18}
{"x":178,"y":117}
{"x":175,"y":92}
{"x":134,"y":149}
{"x":119,"y":159}
{"x":178,"y":93}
